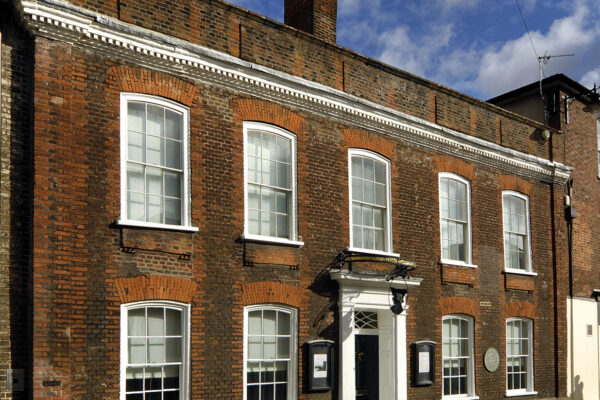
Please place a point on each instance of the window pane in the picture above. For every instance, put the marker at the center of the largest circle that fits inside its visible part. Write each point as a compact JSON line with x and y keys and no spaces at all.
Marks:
{"x":368,"y":238}
{"x":282,"y":226}
{"x":173,"y":125}
{"x":255,"y":347}
{"x":254,"y":323}
{"x":156,"y":350}
{"x":269,"y":344}
{"x":268,"y":224}
{"x":380,"y":172}
{"x":173,"y":156}
{"x":284,"y":152}
{"x":369,"y":188}
{"x":380,"y":194}
{"x":281,"y":371}
{"x":136,"y":117}
{"x":266,"y":392}
{"x":283,"y":324}
{"x":136,"y":322}
{"x":155,"y":120}
{"x":269,"y":318}
{"x":153,"y":379}
{"x":254,"y":143}
{"x":269,"y":147}
{"x":357,"y":189}
{"x":356,"y":214}
{"x":283,"y":347}
{"x":172,"y":184}
{"x":283,"y":175}
{"x":135,"y":206}
{"x":379,"y":240}
{"x":173,"y":211}
{"x":378,"y":217}
{"x":357,"y":236}
{"x":369,"y":169}
{"x":269,"y":174}
{"x":253,"y":393}
{"x":253,"y":197}
{"x":173,"y":350}
{"x":268,"y":199}
{"x":173,"y":322}
{"x":134,"y":379}
{"x":135,"y":146}
{"x":154,"y":150}
{"x":367,"y":216}
{"x":154,"y":181}
{"x":155,"y":322}
{"x":254,"y":222}
{"x":282,"y":202}
{"x":254,"y":169}
{"x":137,"y":350}
{"x":357,"y":167}
{"x":135,"y":177}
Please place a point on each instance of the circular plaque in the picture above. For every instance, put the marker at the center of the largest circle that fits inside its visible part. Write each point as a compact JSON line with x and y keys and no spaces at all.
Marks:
{"x":491,"y":360}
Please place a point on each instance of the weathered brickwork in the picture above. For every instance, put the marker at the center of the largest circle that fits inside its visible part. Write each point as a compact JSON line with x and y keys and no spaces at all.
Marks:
{"x":16,"y":176}
{"x":86,"y":265}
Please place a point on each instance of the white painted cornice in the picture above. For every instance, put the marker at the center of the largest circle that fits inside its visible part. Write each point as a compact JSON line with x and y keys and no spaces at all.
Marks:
{"x":61,"y":21}
{"x":349,"y":279}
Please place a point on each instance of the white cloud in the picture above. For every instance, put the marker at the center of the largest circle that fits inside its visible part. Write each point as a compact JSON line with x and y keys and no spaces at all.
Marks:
{"x":416,"y":55}
{"x":514,"y":64}
{"x":590,"y":78}
{"x":448,"y":5}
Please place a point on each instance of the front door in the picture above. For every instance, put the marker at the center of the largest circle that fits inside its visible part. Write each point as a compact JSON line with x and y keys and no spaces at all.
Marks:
{"x":367,"y":367}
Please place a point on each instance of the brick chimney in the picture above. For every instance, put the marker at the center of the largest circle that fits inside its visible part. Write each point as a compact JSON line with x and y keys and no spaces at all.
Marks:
{"x":318,"y":17}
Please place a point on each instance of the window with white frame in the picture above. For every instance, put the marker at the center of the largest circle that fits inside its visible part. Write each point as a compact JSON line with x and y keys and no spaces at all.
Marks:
{"x":154,"y":162}
{"x":270,"y":172}
{"x":154,"y":351}
{"x":515,"y":212}
{"x":455,"y":218}
{"x":369,"y":201}
{"x":457,"y":356}
{"x":270,"y":355}
{"x":519,"y":355}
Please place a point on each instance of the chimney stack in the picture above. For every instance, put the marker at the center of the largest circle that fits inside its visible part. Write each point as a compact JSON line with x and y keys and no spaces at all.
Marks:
{"x":318,"y":17}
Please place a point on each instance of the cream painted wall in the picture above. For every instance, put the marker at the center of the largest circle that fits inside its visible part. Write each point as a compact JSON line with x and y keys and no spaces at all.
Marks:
{"x":583,"y":350}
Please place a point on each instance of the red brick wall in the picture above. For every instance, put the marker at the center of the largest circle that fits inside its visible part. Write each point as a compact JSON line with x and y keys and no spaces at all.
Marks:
{"x":81,"y":269}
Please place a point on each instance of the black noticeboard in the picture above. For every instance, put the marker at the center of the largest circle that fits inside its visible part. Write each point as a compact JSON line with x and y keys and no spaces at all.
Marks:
{"x":320,"y":365}
{"x":423,"y":363}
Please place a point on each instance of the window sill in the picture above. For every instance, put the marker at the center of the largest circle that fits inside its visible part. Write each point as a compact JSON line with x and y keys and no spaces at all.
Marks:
{"x":520,"y":393}
{"x":458,"y":264}
{"x":373,"y":252}
{"x":519,"y":272}
{"x":461,"y":397}
{"x":271,"y":240}
{"x":149,"y":225}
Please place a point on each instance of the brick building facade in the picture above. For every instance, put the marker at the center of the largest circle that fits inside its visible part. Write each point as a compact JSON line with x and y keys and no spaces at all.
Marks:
{"x":572,"y":109}
{"x":205,"y":182}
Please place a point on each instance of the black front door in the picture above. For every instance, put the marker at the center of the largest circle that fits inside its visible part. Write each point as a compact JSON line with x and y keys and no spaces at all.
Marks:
{"x":367,"y":367}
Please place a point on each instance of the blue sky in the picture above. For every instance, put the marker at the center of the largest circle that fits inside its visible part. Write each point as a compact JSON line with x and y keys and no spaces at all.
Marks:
{"x":479,"y":47}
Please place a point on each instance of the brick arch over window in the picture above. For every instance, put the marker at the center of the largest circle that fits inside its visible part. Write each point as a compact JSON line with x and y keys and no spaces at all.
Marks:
{"x":138,"y":80}
{"x":362,"y":139}
{"x":520,"y":309}
{"x":270,"y":113}
{"x":271,"y":292}
{"x":454,"y":165}
{"x":510,"y":182}
{"x":457,"y":305}
{"x":155,"y":287}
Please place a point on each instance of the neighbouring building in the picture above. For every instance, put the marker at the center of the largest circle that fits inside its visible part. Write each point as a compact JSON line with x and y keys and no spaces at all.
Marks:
{"x":201,"y":203}
{"x":573,"y":109}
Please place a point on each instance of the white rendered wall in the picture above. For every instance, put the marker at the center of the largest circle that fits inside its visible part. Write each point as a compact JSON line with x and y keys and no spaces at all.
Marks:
{"x":583,"y":350}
